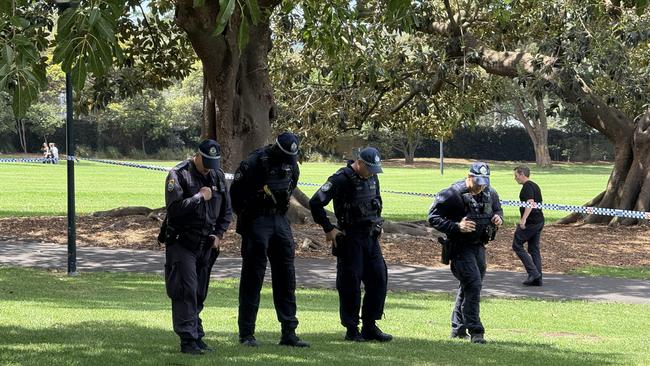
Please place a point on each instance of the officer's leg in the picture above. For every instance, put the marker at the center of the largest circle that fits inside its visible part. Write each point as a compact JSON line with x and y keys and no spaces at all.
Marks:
{"x":458,"y":328}
{"x":182,"y":284}
{"x":281,"y":254}
{"x":208,"y":257}
{"x":534,"y":247}
{"x":254,"y":245}
{"x":520,"y":237}
{"x":349,"y":268}
{"x":375,"y":280}
{"x":470,"y":273}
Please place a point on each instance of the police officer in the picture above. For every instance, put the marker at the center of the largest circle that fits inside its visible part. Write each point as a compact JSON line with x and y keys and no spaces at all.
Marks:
{"x":355,"y":242}
{"x":260,"y":195}
{"x":198,"y":215}
{"x":468,"y":212}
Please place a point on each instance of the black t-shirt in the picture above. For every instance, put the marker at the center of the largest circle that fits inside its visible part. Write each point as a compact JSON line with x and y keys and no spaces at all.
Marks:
{"x":531,"y":190}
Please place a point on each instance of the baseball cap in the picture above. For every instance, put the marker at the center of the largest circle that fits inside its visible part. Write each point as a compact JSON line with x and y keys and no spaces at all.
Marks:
{"x":481,"y":172}
{"x":371,"y":157}
{"x":288,"y":143}
{"x":210,"y":153}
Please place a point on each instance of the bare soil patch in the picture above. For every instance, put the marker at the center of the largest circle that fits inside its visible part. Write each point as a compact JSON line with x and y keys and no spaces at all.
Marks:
{"x":564,"y":247}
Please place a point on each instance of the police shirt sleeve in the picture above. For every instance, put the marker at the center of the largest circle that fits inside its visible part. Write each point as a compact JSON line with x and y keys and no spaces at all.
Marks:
{"x":295,"y":177}
{"x":439,"y":213}
{"x":239,"y":188}
{"x":174,"y":202}
{"x":225,"y":213}
{"x":381,"y":202}
{"x":496,"y":203}
{"x":320,"y":199}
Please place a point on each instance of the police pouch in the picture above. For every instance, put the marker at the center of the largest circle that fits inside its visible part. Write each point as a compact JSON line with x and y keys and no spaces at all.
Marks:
{"x":338,"y":243}
{"x":167,"y":233}
{"x":446,"y":252}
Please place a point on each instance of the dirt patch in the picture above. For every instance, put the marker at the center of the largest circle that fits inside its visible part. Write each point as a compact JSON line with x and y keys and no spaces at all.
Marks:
{"x":564,"y":247}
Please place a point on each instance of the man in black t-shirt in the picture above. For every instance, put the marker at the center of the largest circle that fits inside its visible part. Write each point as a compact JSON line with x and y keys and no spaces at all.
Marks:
{"x":529,"y":228}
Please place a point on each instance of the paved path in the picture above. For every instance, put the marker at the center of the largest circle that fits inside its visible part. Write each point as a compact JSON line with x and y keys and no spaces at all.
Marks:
{"x":322,"y":273}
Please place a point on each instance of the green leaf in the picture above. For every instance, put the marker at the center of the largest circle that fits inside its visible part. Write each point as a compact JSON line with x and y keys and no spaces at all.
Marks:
{"x":226,"y":8}
{"x":198,"y":3}
{"x":8,"y":55}
{"x":78,"y":75}
{"x":242,"y":35}
{"x":24,"y":94}
{"x":65,"y":23}
{"x":19,"y":22}
{"x":104,"y":30}
{"x":94,"y":14}
{"x":254,"y":10}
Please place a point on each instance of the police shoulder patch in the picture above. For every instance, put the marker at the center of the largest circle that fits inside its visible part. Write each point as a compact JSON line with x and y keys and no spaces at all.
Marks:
{"x":326,"y":187}
{"x":170,"y":184}
{"x":238,"y":175}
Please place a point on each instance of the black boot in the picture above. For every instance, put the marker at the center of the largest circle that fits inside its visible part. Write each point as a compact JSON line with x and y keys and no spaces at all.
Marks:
{"x":460,"y":334}
{"x":190,"y":347}
{"x":478,"y":338}
{"x":533,"y":280}
{"x":248,"y":341}
{"x":371,"y":332}
{"x":353,"y":335}
{"x":291,"y":339}
{"x":202,"y":345}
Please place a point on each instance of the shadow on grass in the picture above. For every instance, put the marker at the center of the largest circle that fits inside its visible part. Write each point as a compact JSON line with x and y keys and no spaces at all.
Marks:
{"x":115,"y":343}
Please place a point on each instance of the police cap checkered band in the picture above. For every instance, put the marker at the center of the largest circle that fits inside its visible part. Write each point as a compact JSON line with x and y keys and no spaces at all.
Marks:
{"x":287,"y":143}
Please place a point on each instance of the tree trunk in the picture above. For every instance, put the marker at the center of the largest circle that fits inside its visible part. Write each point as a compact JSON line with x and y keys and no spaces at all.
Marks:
{"x":537,"y":131}
{"x":237,"y":93}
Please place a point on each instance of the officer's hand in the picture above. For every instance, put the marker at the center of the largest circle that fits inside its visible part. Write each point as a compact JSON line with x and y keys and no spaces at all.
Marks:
{"x":330,"y":237}
{"x":206,"y":192}
{"x":215,"y":241}
{"x":467,"y":226}
{"x":522,"y":224}
{"x":496,"y":220}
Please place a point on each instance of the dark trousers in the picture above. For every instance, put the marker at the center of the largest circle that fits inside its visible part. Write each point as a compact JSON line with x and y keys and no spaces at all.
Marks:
{"x":187,"y":276}
{"x":532,"y":260}
{"x":267,"y":237}
{"x":468,"y":266}
{"x":360,"y":260}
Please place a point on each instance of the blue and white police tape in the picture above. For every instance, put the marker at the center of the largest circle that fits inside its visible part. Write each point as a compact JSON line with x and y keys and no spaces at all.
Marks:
{"x":581,"y":209}
{"x":546,"y":206}
{"x":24,"y":160}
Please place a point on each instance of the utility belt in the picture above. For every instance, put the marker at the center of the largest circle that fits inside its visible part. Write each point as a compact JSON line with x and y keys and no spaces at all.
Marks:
{"x":371,"y":229}
{"x":266,"y":211}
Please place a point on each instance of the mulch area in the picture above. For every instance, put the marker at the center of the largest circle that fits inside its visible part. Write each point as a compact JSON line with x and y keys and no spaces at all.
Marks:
{"x":564,"y":247}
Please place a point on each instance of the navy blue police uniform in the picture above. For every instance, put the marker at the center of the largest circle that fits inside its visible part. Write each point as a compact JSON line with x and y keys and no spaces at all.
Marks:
{"x":467,"y":259}
{"x":357,"y":207}
{"x":260,"y":194}
{"x":192,"y":224}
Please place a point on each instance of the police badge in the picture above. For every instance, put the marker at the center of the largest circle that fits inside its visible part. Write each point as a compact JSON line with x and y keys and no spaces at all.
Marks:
{"x":170,"y":185}
{"x":326,"y":187}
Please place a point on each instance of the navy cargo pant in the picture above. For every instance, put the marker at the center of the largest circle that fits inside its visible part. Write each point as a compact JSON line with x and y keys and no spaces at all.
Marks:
{"x":267,"y":236}
{"x":468,"y":266}
{"x":187,"y":276}
{"x":532,"y":260}
{"x":360,"y":260}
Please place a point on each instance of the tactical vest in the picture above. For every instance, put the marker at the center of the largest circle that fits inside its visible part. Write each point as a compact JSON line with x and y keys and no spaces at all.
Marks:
{"x":276,"y":188}
{"x":360,"y":204}
{"x":481,"y":213}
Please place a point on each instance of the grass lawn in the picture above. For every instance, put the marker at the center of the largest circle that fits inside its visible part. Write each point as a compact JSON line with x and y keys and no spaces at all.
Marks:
{"x":124,"y":319}
{"x":640,"y":273}
{"x":40,"y":189}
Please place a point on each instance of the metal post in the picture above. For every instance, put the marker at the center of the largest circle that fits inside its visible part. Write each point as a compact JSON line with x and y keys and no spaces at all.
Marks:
{"x":72,"y":229}
{"x":442,"y":159}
